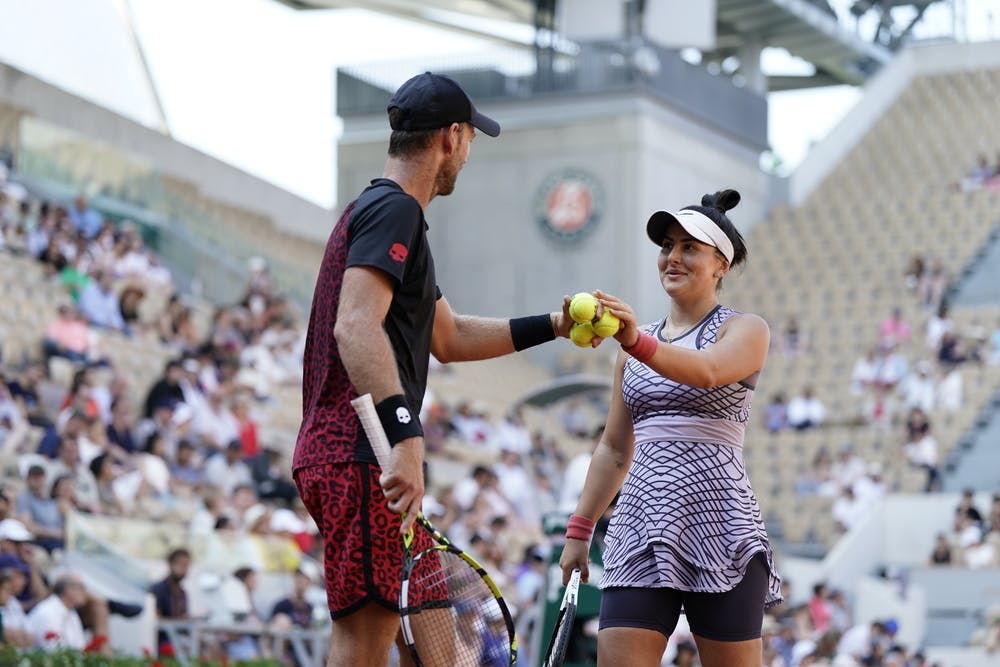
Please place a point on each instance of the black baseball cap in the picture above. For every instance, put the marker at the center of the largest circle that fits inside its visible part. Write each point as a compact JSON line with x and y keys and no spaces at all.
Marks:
{"x":431,"y":101}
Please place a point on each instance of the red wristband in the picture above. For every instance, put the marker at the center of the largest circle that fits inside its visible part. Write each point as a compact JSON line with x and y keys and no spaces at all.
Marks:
{"x":644,"y":348}
{"x":580,"y":528}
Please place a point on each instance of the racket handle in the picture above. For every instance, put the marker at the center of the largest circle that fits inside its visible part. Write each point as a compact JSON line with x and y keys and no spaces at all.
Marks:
{"x":365,"y":407}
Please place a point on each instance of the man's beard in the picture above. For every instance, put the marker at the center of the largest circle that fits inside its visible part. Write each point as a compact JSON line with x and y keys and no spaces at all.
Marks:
{"x":445,"y":183}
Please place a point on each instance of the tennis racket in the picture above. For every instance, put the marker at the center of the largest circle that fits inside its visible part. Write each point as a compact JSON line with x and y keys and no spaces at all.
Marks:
{"x":559,"y":641}
{"x":451,"y":612}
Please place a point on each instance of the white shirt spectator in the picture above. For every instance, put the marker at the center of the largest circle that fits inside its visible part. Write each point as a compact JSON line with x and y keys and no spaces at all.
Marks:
{"x":923,"y":452}
{"x":215,"y":423}
{"x":919,"y":389}
{"x":227,"y":471}
{"x":510,"y":435}
{"x":950,"y":392}
{"x":856,"y":642}
{"x":937,"y":327}
{"x":515,"y":483}
{"x":99,"y":304}
{"x":893,"y":369}
{"x":870,"y":487}
{"x":865,"y":373}
{"x":806,"y":410}
{"x":980,"y":555}
{"x":55,"y":625}
{"x":572,"y":483}
{"x":848,"y":510}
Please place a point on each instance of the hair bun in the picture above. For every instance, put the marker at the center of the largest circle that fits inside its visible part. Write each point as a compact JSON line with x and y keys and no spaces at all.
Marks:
{"x":724,"y":200}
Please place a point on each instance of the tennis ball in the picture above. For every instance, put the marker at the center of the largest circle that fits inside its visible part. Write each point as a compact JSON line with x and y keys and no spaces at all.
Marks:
{"x":606,"y":326}
{"x":583,"y":307}
{"x":581,"y":333}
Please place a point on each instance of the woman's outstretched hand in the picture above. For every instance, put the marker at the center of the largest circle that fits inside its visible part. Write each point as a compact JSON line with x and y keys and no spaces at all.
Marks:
{"x":628,"y":331}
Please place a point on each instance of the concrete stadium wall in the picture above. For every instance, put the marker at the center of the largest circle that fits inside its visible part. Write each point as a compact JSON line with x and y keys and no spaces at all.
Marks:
{"x":493,"y":256}
{"x":880,"y":92}
{"x":216,"y":179}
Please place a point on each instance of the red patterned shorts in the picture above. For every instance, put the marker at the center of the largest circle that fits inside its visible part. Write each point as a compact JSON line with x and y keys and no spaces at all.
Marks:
{"x":362,"y":547}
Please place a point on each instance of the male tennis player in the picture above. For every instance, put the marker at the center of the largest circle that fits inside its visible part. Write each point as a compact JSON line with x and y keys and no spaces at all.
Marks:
{"x":377,"y":315}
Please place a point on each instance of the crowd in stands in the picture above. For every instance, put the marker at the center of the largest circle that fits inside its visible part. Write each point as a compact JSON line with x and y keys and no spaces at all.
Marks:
{"x":973,"y":540}
{"x":191,"y":447}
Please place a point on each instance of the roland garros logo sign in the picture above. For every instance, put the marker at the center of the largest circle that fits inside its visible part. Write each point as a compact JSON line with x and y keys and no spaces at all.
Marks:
{"x":569,"y":205}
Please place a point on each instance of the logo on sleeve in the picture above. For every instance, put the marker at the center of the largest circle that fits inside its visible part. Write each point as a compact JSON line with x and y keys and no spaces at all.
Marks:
{"x":398,"y":252}
{"x":403,"y":415}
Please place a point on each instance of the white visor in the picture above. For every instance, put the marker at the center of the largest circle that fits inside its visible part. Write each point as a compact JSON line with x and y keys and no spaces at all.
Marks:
{"x":699,"y":226}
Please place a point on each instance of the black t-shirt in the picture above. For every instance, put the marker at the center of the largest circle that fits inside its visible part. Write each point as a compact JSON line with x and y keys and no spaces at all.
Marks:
{"x":383,"y":228}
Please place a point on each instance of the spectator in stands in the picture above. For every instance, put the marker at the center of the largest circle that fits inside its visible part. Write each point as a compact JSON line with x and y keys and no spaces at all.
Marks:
{"x":848,"y":467}
{"x":56,"y":620}
{"x":893,"y":367}
{"x":806,"y":410}
{"x":245,"y":647}
{"x":964,"y":531}
{"x":228,"y":470}
{"x":13,"y":422}
{"x":152,"y":465}
{"x":871,"y":486}
{"x":868,"y":642}
{"x":967,"y":506}
{"x":74,"y":276}
{"x":186,"y":471}
{"x":171,"y":598}
{"x":865,"y":374}
{"x":215,"y":426}
{"x":919,"y":389}
{"x":931,"y":293}
{"x":69,"y":464}
{"x":793,"y":339}
{"x":979,"y":174}
{"x":16,"y":630}
{"x":294,"y":610}
{"x":39,"y":511}
{"x":894,"y":330}
{"x":980,"y":553}
{"x":819,"y":478}
{"x":950,"y":390}
{"x":848,"y":509}
{"x":68,"y":336}
{"x":121,"y":430}
{"x":268,"y":472}
{"x":246,"y":426}
{"x":99,"y":303}
{"x":952,"y":351}
{"x":914,"y":274}
{"x":25,"y":390}
{"x":819,"y":608}
{"x":85,"y":218}
{"x":103,"y":468}
{"x":168,"y":386}
{"x":776,"y":417}
{"x":941,"y":553}
{"x":129,"y":304}
{"x":922,"y":452}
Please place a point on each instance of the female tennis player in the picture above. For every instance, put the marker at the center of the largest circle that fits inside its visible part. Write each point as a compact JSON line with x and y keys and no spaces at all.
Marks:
{"x":687,"y":531}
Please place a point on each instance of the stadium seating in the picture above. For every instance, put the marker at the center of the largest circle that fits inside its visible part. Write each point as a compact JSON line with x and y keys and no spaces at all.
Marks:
{"x":837,"y":263}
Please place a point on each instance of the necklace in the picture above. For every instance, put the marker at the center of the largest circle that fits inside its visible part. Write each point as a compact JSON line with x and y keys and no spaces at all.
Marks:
{"x":672,"y":331}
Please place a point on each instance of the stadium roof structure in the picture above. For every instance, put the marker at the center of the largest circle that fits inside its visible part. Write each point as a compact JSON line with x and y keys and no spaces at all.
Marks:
{"x":808,"y":29}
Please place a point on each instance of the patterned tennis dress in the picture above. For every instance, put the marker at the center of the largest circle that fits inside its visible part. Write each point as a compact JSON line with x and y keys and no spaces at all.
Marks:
{"x":686,"y":517}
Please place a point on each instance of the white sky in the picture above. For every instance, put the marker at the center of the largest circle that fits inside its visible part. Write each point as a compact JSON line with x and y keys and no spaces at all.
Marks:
{"x":251,"y":81}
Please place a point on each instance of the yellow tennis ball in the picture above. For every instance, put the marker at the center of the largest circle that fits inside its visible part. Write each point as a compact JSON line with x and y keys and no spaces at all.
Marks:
{"x":606,"y":326}
{"x":581,"y":333}
{"x":583,"y":307}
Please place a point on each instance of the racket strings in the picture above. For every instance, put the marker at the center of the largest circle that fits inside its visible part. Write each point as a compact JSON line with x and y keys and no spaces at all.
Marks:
{"x":455,"y":620}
